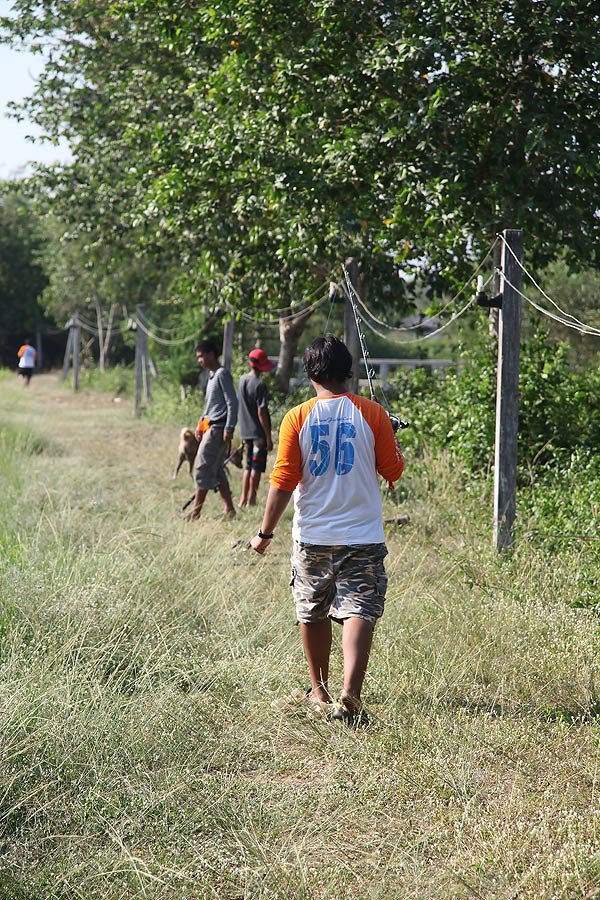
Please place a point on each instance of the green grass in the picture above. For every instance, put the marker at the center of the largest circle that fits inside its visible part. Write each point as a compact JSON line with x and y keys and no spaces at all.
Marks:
{"x":139,"y":655}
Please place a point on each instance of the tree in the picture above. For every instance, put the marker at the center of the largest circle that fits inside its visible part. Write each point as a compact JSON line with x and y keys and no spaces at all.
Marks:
{"x":577,"y":293}
{"x":262,"y":142}
{"x":22,"y":278}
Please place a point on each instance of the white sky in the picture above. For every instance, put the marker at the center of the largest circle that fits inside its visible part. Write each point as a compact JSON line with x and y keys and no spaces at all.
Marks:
{"x":18,"y":71}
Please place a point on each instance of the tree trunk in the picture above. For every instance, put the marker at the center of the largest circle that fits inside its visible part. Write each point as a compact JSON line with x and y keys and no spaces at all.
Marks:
{"x":100,"y":331}
{"x":111,"y":316}
{"x":290,"y":332}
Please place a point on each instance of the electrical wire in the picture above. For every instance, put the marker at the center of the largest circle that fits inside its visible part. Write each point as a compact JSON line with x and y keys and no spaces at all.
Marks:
{"x":540,"y":289}
{"x":156,"y":328}
{"x":362,"y":303}
{"x":166,"y":342}
{"x":425,"y":337}
{"x":83,"y":320}
{"x":582,"y":328}
{"x":307,"y":310}
{"x":88,"y":328}
{"x":349,"y":288}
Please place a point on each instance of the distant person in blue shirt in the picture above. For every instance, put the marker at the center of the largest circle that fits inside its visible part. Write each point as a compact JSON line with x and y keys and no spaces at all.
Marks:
{"x":215,"y":430}
{"x":27,"y":356}
{"x":254,"y":424}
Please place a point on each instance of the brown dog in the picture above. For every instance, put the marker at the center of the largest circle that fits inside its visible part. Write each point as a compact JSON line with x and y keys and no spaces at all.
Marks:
{"x":188,"y":447}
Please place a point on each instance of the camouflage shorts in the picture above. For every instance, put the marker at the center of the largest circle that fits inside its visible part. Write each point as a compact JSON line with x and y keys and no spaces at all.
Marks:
{"x":339,"y":582}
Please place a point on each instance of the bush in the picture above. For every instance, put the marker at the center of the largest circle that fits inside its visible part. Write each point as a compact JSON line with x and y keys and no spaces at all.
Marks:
{"x":559,"y":409}
{"x":116,"y":380}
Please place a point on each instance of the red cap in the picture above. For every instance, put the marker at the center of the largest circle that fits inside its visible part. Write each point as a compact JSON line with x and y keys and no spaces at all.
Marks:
{"x":260,"y":360}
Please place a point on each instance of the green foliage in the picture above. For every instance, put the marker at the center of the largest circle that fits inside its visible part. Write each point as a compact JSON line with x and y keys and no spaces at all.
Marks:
{"x":22,"y":278}
{"x":577,"y":291}
{"x":566,"y":496}
{"x":559,"y":410}
{"x":116,"y":380}
{"x":170,"y":406}
{"x":258,"y":145}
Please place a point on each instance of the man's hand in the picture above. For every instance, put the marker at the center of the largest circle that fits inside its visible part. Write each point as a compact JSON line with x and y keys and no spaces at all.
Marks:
{"x":198,"y":435}
{"x":259,"y":544}
{"x":227,"y":435}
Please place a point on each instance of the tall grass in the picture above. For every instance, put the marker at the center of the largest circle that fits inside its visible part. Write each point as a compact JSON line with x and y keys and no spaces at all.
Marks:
{"x":140,"y":757}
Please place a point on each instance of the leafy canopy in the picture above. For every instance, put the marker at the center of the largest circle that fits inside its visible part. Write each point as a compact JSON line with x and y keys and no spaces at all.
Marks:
{"x":261,"y":142}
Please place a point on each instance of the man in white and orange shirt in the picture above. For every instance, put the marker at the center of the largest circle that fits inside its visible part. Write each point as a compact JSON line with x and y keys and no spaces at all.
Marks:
{"x":27,"y":356}
{"x":331,"y":450}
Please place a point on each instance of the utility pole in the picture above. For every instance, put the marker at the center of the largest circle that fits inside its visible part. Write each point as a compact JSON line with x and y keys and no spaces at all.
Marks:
{"x":351,"y":339}
{"x":507,"y":396}
{"x":75,"y":346}
{"x":227,"y":353}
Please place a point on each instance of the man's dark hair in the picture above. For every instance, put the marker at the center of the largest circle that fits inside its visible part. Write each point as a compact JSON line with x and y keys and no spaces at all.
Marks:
{"x":206,"y":346}
{"x":327,"y":359}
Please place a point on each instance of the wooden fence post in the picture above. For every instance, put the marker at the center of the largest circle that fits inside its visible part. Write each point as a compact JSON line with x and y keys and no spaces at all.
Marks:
{"x":68,"y":352}
{"x":507,"y":396}
{"x":351,"y":339}
{"x":75,"y":347}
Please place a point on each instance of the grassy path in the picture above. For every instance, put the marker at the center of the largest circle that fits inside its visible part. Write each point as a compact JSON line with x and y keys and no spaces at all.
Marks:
{"x":139,"y":756}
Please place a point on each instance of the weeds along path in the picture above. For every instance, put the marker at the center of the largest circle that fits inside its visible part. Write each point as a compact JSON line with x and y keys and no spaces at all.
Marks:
{"x":139,"y":756}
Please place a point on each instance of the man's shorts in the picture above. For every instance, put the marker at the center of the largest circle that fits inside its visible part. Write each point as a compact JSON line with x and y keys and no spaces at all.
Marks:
{"x":256,"y":454}
{"x":339,"y":582}
{"x":209,"y":471}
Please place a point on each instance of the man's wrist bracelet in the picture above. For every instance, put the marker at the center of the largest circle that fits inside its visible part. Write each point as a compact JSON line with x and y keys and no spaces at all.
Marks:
{"x":265,"y":537}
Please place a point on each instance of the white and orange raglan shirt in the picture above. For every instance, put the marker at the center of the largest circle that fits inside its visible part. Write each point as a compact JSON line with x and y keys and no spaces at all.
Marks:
{"x":330,"y":452}
{"x":27,"y":356}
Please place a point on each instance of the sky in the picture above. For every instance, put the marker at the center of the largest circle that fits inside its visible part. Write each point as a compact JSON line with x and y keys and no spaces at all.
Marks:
{"x":18,"y":70}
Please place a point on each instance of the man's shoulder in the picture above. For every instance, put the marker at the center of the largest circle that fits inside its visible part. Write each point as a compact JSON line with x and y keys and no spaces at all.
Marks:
{"x":297,"y":415}
{"x":372,"y":411}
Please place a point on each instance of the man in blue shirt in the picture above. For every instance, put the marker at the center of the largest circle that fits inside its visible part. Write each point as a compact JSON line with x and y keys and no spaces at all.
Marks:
{"x":215,"y":430}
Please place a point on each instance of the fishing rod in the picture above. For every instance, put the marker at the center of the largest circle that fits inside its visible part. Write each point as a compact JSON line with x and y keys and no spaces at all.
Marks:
{"x":349,"y":290}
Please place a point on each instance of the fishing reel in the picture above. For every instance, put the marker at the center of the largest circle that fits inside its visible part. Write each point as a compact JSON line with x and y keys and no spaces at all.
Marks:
{"x":397,"y":423}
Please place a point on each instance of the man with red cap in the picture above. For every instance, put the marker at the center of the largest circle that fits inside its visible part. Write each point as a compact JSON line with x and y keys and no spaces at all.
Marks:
{"x":254,"y":423}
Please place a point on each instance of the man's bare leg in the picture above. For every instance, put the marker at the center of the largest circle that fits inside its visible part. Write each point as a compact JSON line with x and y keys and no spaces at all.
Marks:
{"x":243,"y":501}
{"x":225,"y":492}
{"x":199,"y":499}
{"x":254,"y":483}
{"x":356,"y":645}
{"x":316,"y":640}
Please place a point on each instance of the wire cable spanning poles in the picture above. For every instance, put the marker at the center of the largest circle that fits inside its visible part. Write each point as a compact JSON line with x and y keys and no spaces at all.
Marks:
{"x":350,"y":294}
{"x":166,"y":342}
{"x":297,"y":314}
{"x":432,"y":334}
{"x":408,"y":328}
{"x":575,"y":323}
{"x":582,"y":328}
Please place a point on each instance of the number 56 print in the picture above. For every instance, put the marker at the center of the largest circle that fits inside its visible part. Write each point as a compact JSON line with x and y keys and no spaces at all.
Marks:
{"x":321,"y":449}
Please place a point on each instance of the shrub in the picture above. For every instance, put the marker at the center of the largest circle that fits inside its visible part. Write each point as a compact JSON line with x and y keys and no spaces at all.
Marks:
{"x":559,"y":409}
